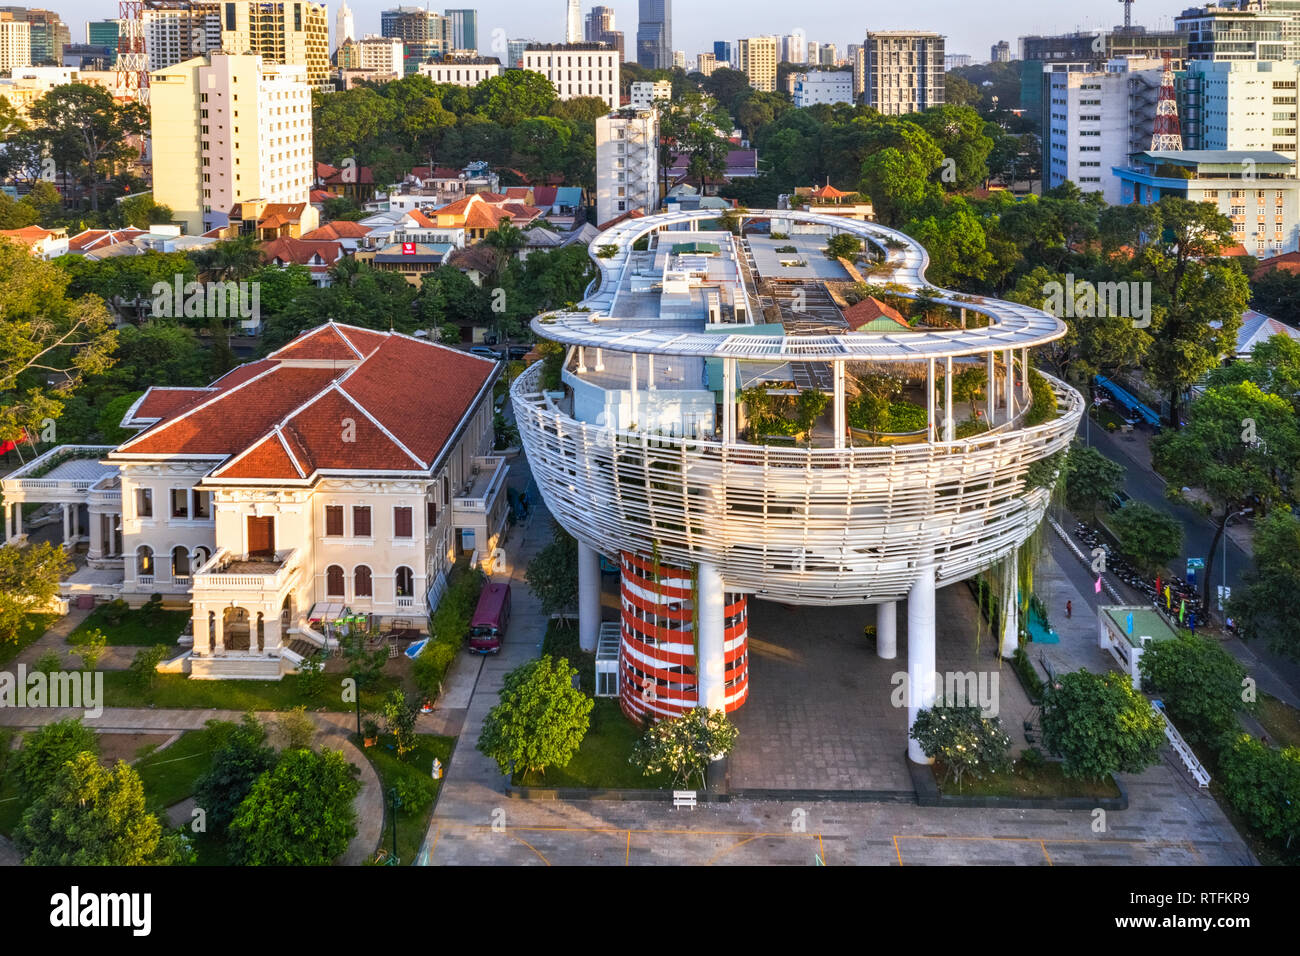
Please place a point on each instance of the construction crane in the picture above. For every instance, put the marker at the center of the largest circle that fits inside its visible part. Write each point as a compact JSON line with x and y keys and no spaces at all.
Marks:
{"x":1128,"y":15}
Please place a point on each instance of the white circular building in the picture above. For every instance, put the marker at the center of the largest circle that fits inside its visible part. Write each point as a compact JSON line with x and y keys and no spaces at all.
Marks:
{"x":726,"y":423}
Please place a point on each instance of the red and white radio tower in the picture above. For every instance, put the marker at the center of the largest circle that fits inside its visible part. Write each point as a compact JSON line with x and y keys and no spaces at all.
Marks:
{"x":1168,"y":133}
{"x":132,"y":65}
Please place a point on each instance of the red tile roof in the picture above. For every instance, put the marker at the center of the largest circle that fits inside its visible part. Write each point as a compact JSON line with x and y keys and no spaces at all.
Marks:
{"x":93,"y":238}
{"x":1288,"y":262}
{"x":338,"y":229}
{"x":545,"y":195}
{"x":283,"y":417}
{"x":870,"y":309}
{"x":157,"y":403}
{"x":288,"y":249}
{"x":421,"y":220}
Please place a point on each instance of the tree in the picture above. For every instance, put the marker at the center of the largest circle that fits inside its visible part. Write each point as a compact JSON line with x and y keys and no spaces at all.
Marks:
{"x":1147,"y":537}
{"x":45,"y":751}
{"x":843,"y":245}
{"x":900,"y":167}
{"x":684,"y":746}
{"x":541,"y":719}
{"x":139,"y":211}
{"x":87,"y":131}
{"x":298,"y":813}
{"x":1202,"y":299}
{"x":91,"y":648}
{"x":240,"y":759}
{"x":144,"y":666}
{"x":1274,"y":366}
{"x":1090,"y":477}
{"x":1100,"y":725}
{"x":964,"y":739}
{"x":1240,"y":447}
{"x":400,"y":714}
{"x":1200,"y":683}
{"x":29,"y":580}
{"x":297,"y":729}
{"x":44,"y":336}
{"x":552,"y":574}
{"x":93,"y":816}
{"x":1267,"y":604}
{"x":514,"y":96}
{"x":1263,"y":785}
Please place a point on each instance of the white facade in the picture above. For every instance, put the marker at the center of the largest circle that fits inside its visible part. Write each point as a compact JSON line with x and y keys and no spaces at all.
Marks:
{"x":345,"y":25}
{"x":212,"y":151}
{"x":384,"y":55}
{"x":1242,"y":105}
{"x":15,"y":44}
{"x":646,"y":94}
{"x":903,"y":71}
{"x":1097,"y":120}
{"x":823,"y":86}
{"x":627,"y":163}
{"x":173,"y":36}
{"x":461,"y":72}
{"x":577,"y":69}
{"x":793,"y":49}
{"x":573,"y":21}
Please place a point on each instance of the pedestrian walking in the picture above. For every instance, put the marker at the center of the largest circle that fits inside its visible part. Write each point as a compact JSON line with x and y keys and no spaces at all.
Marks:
{"x":1069,"y":608}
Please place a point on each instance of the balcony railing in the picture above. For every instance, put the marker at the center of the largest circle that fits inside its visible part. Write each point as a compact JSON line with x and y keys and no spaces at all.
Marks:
{"x":225,"y":571}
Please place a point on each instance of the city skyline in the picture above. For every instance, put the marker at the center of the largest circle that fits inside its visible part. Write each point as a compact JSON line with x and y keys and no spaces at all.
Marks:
{"x":695,"y":28}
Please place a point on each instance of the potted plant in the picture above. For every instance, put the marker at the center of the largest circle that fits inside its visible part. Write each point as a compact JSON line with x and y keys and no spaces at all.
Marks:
{"x":370,"y":732}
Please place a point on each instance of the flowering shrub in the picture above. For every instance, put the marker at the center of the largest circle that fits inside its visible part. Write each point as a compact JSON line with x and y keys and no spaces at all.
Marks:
{"x":964,"y":740}
{"x":685,"y":746}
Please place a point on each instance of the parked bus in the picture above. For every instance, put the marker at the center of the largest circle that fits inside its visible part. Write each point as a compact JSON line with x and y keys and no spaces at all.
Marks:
{"x":488,"y":625}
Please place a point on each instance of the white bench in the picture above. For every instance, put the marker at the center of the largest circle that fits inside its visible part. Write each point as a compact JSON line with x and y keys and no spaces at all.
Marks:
{"x":684,"y":798}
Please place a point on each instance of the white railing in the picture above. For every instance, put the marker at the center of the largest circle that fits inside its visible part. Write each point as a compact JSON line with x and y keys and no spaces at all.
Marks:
{"x":804,"y":525}
{"x":1190,"y":761}
{"x":211,"y":577}
{"x":144,"y":579}
{"x":406,"y":602}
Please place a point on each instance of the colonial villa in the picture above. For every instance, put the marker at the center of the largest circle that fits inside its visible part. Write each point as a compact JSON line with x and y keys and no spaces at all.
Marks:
{"x":347,"y":470}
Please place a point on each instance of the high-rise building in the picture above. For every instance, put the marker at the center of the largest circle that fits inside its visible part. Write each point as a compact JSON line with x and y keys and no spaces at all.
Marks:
{"x":722,"y":53}
{"x":206,"y":160}
{"x":515,"y":53}
{"x":15,"y":43}
{"x":1098,"y":118}
{"x":382,"y":55}
{"x":793,"y":49}
{"x":654,"y":35}
{"x":345,"y":25}
{"x":953,"y":61}
{"x":627,"y":163}
{"x":705,"y":64}
{"x":903,"y":71}
{"x":573,"y":21}
{"x":1241,"y":105}
{"x":857,"y":58}
{"x":1000,"y":52}
{"x":174,"y":35}
{"x":102,"y":33}
{"x":829,"y":55}
{"x":645,"y":94}
{"x":599,"y":28}
{"x":756,"y":58}
{"x":283,"y":31}
{"x":49,"y":34}
{"x":679,"y":59}
{"x":1235,"y":33}
{"x":463,"y":28}
{"x":577,"y":69}
{"x":424,"y":32}
{"x":812,"y":53}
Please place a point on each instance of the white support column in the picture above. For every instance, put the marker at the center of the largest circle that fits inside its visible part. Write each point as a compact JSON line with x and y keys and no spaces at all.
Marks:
{"x":96,"y":548}
{"x":600,"y":360}
{"x":710,"y":668}
{"x":991,"y":393}
{"x":728,"y":401}
{"x":1025,"y":391}
{"x":68,"y":543}
{"x":9,"y":521}
{"x":920,"y":654}
{"x":949,"y":426}
{"x":1009,"y":360}
{"x":930,"y":434}
{"x":635,"y":420}
{"x":588,"y":597}
{"x":887,"y":630}
{"x":1011,"y":615}
{"x":582,"y":360}
{"x":650,"y":372}
{"x":838,"y":416}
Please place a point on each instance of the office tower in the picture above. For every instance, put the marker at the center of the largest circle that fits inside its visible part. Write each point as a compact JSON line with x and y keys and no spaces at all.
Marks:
{"x":424,"y":32}
{"x":287,"y":32}
{"x":654,"y":35}
{"x":705,"y":64}
{"x":463,"y":27}
{"x":722,"y":52}
{"x":599,"y":28}
{"x":15,"y":43}
{"x":1000,"y":52}
{"x":756,"y":58}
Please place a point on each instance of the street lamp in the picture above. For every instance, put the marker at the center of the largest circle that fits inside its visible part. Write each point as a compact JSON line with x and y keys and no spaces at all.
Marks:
{"x":1226,"y":521}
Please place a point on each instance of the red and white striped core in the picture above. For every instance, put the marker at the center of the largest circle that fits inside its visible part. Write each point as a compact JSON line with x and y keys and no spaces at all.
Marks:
{"x":657,"y":665}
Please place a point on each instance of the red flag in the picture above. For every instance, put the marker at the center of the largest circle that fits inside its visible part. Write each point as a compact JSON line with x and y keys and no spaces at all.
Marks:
{"x":7,"y":446}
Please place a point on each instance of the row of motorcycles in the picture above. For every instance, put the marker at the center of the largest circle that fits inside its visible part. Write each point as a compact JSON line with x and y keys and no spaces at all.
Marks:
{"x":1116,"y":566}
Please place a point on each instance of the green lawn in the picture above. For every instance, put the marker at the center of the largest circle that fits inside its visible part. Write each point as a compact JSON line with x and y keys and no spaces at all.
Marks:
{"x":174,"y":690}
{"x":136,"y":628}
{"x":1280,"y":721}
{"x":1046,"y":780}
{"x":33,"y":628}
{"x":169,"y":774}
{"x":602,"y":761}
{"x":416,"y":766}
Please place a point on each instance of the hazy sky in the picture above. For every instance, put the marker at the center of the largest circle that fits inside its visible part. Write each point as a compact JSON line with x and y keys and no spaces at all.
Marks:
{"x":970,"y":25}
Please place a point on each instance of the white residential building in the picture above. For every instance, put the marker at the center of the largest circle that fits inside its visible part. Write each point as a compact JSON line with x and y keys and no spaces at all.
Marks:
{"x":577,"y":69}
{"x":1248,"y":105}
{"x":903,"y":71}
{"x":382,"y":55}
{"x":228,"y":129}
{"x":627,"y":163}
{"x":646,"y":94}
{"x":462,"y":71}
{"x":15,"y":44}
{"x":1096,"y":120}
{"x":173,"y":36}
{"x":823,"y":86}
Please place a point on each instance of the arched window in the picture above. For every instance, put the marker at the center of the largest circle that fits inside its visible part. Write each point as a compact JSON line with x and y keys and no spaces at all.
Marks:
{"x":144,"y":560}
{"x":405,"y":582}
{"x":334,"y":581}
{"x":180,"y":563}
{"x":362,"y":586}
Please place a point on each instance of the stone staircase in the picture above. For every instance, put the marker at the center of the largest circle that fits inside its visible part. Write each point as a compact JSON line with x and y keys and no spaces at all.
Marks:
{"x":236,"y":668}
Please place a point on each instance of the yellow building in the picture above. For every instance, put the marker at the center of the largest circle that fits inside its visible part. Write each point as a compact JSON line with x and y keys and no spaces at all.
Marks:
{"x":756,"y":57}
{"x":229,"y":129}
{"x":290,"y":33}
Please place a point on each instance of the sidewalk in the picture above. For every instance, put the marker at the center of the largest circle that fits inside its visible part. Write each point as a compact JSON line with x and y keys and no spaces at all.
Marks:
{"x":332,"y":730}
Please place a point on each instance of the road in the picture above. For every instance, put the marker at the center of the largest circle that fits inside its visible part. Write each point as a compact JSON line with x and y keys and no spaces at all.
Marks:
{"x":1146,"y":486}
